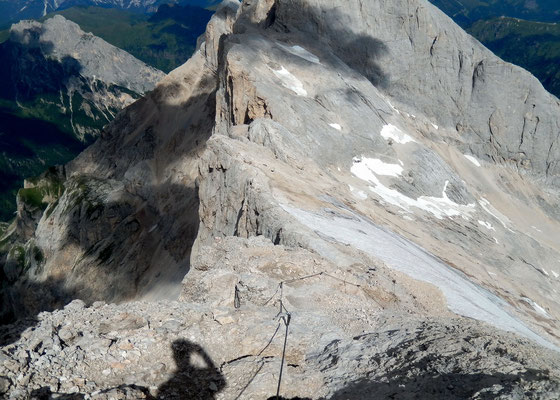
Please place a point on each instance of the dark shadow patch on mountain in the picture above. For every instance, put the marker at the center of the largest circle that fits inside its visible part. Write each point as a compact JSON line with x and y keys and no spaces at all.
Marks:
{"x":27,"y":147}
{"x":359,"y":51}
{"x":114,"y":222}
{"x":196,"y":377}
{"x":48,"y":295}
{"x":34,"y":133}
{"x":411,"y":383}
{"x":29,"y":70}
{"x":118,"y":240}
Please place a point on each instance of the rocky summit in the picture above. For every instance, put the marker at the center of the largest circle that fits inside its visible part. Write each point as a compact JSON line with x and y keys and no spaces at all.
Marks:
{"x":329,"y":200}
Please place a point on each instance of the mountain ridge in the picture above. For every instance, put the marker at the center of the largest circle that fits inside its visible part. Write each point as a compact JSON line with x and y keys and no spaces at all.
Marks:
{"x":364,"y":179}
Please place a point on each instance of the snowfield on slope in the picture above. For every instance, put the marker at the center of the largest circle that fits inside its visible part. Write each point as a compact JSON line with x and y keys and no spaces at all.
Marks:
{"x":367,"y":170}
{"x":463,"y":296}
{"x":392,"y":132}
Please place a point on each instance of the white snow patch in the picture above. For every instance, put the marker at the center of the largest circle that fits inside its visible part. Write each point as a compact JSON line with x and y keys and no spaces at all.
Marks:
{"x":367,"y":169}
{"x":472,"y":159}
{"x":392,"y":132}
{"x":463,"y":296}
{"x":556,"y":275}
{"x":487,"y":225}
{"x":544,"y":272}
{"x":289,"y":81}
{"x":491,"y":273}
{"x":369,"y":165}
{"x":496,"y":240}
{"x":435,"y":126}
{"x":535,"y":306}
{"x":537,"y":229}
{"x":486,"y":206}
{"x":336,"y":126}
{"x":152,"y":228}
{"x":358,"y":193}
{"x":301,"y":52}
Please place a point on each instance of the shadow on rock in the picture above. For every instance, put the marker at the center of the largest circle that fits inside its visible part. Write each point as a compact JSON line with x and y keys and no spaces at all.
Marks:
{"x":49,"y":295}
{"x":405,"y":385}
{"x":119,"y":235}
{"x":196,"y":376}
{"x":333,"y":27}
{"x":45,"y":393}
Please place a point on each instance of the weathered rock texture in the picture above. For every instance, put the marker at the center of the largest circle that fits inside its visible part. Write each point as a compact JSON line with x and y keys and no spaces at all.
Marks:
{"x":330,"y":162}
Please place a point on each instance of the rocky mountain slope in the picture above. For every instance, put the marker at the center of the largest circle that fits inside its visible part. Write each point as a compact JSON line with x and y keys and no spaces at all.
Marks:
{"x":368,"y":182}
{"x":60,"y":87}
{"x":531,"y":43}
{"x":85,"y":75}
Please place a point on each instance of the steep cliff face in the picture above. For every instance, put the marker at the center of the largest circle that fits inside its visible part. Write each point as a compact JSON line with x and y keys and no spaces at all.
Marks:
{"x":337,"y":164}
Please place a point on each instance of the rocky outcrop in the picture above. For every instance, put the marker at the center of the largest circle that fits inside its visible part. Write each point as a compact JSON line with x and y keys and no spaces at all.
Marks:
{"x":222,"y":341}
{"x":301,"y":178}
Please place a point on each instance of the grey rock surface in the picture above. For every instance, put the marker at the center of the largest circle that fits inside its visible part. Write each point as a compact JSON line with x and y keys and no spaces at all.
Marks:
{"x":342,"y":344}
{"x":342,"y":166}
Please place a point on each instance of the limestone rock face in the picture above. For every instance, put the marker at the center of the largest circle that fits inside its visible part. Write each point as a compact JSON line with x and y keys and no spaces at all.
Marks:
{"x":351,"y":172}
{"x":500,"y":112}
{"x":183,"y":350}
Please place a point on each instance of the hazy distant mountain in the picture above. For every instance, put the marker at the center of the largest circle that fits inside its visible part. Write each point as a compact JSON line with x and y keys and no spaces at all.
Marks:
{"x":59,"y":87}
{"x":16,"y":10}
{"x":164,"y":40}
